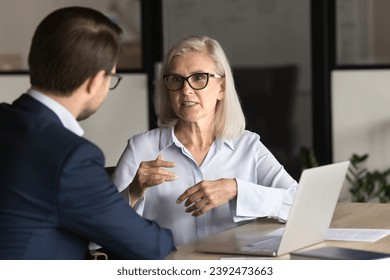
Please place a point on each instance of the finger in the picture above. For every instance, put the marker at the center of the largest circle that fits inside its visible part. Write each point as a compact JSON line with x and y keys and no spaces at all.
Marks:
{"x":187,"y":193}
{"x":196,"y":206}
{"x":163,"y":172}
{"x":194,"y":198}
{"x":163,"y":163}
{"x":202,"y":210}
{"x":154,"y":180}
{"x":151,"y":179}
{"x":148,"y":168}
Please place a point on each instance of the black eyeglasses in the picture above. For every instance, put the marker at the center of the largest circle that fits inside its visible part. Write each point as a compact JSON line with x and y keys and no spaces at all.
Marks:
{"x":196,"y":81}
{"x":115,"y":79}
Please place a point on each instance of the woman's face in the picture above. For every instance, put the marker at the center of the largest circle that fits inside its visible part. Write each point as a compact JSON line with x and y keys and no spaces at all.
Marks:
{"x":192,"y":105}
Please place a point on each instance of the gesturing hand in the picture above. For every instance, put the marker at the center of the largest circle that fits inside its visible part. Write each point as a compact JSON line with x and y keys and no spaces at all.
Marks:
{"x":150,"y":173}
{"x":207,"y":195}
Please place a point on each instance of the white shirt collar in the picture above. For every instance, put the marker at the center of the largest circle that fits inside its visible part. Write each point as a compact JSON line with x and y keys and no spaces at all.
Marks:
{"x":67,"y":119}
{"x":168,"y":138}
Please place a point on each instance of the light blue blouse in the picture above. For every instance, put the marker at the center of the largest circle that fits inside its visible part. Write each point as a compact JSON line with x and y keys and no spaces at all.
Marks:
{"x":264,"y":186}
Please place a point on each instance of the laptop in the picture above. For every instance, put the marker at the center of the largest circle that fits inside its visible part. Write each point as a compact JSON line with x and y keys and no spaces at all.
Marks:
{"x":309,"y":219}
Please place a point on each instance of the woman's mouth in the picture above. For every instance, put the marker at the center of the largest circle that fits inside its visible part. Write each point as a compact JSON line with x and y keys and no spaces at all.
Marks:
{"x":188,"y":103}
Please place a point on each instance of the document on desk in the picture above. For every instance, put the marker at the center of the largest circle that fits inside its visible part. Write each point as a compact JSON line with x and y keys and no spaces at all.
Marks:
{"x":356,"y":234}
{"x":338,"y":234}
{"x":348,"y":234}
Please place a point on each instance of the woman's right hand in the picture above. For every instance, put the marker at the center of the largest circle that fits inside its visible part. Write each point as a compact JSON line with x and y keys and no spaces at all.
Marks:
{"x":150,"y":173}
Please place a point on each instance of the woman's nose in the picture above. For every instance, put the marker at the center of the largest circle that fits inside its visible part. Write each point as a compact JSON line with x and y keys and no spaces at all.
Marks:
{"x":186,"y":89}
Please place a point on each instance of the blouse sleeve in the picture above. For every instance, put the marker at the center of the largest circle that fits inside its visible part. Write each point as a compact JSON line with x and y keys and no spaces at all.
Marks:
{"x":124,"y":173}
{"x":270,"y":196}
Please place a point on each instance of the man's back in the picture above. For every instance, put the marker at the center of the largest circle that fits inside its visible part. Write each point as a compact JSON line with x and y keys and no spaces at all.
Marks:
{"x":55,"y":196}
{"x":32,"y":149}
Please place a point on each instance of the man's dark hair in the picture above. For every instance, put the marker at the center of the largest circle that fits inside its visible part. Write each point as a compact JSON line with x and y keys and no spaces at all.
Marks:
{"x":71,"y":45}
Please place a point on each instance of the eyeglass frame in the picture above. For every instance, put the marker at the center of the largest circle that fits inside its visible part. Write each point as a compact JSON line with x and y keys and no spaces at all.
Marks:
{"x":217,"y":76}
{"x":117,"y":76}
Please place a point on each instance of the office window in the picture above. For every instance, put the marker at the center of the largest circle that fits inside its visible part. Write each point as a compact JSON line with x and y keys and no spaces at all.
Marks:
{"x":361,"y":29}
{"x":19,"y":18}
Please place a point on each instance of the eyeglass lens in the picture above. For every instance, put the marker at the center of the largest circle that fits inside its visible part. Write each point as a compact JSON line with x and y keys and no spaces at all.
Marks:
{"x":196,"y":81}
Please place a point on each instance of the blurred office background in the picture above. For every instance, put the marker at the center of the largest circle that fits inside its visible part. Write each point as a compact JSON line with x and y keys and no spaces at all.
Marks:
{"x":310,"y":73}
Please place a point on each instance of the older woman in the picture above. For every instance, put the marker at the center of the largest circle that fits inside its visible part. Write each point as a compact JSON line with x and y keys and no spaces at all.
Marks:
{"x":201,"y":172}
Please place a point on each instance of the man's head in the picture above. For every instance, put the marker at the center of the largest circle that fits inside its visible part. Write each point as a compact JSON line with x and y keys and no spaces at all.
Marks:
{"x":70,"y":46}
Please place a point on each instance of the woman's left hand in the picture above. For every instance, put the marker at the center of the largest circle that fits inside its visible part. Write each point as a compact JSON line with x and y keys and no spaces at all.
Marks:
{"x":207,"y":195}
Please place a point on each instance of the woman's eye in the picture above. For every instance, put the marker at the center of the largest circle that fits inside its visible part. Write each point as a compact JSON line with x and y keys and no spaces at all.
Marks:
{"x":199,"y":77}
{"x":176,"y":79}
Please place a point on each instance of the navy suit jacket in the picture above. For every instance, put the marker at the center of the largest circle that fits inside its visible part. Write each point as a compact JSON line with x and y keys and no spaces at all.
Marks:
{"x":55,"y":196}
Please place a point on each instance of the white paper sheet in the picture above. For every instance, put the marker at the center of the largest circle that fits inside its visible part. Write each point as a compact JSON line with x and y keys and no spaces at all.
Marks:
{"x":356,"y":234}
{"x":348,"y":234}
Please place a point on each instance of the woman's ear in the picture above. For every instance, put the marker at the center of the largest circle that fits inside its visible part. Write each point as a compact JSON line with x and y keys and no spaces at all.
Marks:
{"x":221,"y":94}
{"x":95,"y":82}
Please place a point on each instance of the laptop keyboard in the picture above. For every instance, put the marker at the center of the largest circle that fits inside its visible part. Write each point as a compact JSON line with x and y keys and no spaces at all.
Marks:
{"x":269,"y":244}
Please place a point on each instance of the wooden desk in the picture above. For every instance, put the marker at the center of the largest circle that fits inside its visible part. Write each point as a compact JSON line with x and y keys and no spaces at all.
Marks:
{"x":347,"y":215}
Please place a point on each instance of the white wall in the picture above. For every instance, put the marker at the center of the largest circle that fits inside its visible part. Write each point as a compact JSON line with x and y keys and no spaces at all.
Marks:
{"x":361,"y":116}
{"x":123,"y":113}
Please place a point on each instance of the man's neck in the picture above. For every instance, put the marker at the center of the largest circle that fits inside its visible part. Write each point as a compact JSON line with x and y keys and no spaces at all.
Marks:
{"x":71,"y":103}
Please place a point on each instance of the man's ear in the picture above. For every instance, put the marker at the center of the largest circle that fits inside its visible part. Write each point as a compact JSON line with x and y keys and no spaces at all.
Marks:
{"x":95,"y":82}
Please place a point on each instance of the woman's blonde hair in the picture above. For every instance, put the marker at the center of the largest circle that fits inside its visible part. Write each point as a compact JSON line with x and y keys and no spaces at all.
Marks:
{"x":229,"y":119}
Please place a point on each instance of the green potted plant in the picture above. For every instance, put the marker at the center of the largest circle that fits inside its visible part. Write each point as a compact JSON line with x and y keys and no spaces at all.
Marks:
{"x":365,"y":185}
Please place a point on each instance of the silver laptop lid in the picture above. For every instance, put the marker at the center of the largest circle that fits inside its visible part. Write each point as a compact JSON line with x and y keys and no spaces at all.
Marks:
{"x":312,"y":211}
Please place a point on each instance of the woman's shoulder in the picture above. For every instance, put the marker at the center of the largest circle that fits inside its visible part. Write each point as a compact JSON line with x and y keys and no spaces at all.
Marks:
{"x":249,"y":136}
{"x":150,"y":135}
{"x":249,"y":143}
{"x":247,"y":139}
{"x":145,"y":135}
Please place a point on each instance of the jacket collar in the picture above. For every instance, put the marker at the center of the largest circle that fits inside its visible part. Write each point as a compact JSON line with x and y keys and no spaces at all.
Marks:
{"x":66,"y":118}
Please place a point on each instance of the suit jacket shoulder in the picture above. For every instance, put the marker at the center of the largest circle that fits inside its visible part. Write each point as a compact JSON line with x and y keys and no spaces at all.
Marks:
{"x":55,"y":196}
